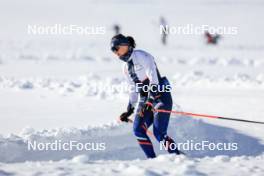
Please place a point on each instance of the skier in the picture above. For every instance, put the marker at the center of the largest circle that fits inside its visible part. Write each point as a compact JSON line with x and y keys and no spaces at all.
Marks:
{"x":164,"y":35}
{"x":211,"y":39}
{"x":141,"y":70}
{"x":117,"y":29}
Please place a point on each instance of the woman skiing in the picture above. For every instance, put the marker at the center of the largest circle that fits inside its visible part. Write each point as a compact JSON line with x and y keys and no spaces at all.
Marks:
{"x":141,"y":70}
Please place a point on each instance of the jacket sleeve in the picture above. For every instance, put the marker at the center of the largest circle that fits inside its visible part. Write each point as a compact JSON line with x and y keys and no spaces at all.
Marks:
{"x":151,"y":72}
{"x":150,"y":68}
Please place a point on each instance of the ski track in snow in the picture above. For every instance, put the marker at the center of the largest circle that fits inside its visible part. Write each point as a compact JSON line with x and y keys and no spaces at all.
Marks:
{"x":121,"y":143}
{"x":123,"y":156}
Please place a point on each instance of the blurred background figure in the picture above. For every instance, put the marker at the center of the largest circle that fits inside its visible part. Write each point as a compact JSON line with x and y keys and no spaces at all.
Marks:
{"x":211,"y":38}
{"x":117,"y":29}
{"x":164,"y":35}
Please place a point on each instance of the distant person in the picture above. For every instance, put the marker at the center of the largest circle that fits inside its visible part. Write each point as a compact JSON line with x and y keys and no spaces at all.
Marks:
{"x":164,"y":35}
{"x":144,"y":101}
{"x":212,"y":39}
{"x":117,"y":29}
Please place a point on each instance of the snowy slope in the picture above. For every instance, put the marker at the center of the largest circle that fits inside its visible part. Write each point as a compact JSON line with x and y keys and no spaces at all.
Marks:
{"x":123,"y":157}
{"x":171,"y":165}
{"x":50,"y":87}
{"x":120,"y":144}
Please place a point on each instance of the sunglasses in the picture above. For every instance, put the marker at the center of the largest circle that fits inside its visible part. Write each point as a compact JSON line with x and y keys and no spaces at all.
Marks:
{"x":115,"y":48}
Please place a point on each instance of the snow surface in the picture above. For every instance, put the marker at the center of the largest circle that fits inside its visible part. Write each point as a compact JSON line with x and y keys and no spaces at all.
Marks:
{"x":47,"y":87}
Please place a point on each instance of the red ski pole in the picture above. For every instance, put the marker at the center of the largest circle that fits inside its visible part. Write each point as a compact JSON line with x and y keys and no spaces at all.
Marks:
{"x":206,"y":116}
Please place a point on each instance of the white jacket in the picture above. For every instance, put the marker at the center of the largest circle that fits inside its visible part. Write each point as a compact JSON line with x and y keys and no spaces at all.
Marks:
{"x":144,"y":67}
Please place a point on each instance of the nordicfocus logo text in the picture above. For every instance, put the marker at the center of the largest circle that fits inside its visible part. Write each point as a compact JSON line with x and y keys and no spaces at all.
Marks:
{"x":58,"y":145}
{"x":140,"y":87}
{"x":190,"y":29}
{"x":203,"y":145}
{"x":60,"y":29}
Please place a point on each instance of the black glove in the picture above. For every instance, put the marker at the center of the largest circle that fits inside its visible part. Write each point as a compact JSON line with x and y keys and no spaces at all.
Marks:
{"x":148,"y":106}
{"x":124,"y":116}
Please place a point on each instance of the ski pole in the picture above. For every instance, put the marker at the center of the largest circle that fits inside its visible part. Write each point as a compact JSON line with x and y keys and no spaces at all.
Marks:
{"x":206,"y":116}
